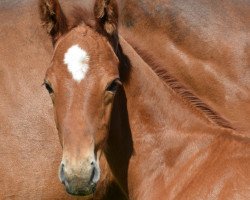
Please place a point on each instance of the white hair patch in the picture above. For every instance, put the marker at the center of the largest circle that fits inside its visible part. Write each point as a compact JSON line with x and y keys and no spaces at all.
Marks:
{"x":77,"y":61}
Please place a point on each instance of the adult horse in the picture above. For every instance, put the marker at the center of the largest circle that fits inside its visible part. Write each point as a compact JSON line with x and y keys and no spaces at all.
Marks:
{"x":160,"y":144}
{"x":29,"y":147}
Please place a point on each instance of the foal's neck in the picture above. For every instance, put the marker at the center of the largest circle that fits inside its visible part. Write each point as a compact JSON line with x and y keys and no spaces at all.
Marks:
{"x":148,"y":119}
{"x":154,"y":105}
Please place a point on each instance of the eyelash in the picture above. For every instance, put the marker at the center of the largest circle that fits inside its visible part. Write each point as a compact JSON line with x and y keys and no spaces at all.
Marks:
{"x":48,"y":87}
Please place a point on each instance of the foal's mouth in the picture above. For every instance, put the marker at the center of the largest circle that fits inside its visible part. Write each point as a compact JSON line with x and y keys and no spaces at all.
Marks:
{"x":86,"y":193}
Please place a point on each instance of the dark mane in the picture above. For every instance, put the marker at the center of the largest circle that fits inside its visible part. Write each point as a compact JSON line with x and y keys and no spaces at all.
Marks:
{"x":183,"y":91}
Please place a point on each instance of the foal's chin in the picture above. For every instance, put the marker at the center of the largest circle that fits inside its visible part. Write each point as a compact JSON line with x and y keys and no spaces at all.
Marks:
{"x":89,"y":193}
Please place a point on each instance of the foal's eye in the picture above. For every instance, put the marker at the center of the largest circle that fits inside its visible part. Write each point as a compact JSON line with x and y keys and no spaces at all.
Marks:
{"x":48,"y":87}
{"x":113,"y":86}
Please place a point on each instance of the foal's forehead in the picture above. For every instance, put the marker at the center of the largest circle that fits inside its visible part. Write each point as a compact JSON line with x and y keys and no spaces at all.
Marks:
{"x":77,"y":61}
{"x":80,"y":49}
{"x":72,"y":53}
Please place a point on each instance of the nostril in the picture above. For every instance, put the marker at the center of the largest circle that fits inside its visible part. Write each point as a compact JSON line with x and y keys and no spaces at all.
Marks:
{"x":95,"y":174}
{"x":92,"y":174}
{"x":62,"y":174}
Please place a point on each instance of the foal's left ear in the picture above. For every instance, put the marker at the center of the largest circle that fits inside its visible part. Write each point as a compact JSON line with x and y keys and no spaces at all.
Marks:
{"x":53,"y":18}
{"x":106,"y":15}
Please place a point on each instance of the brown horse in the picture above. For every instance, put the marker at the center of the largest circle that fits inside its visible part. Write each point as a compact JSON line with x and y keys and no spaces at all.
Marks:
{"x":159,"y":142}
{"x":29,"y":148}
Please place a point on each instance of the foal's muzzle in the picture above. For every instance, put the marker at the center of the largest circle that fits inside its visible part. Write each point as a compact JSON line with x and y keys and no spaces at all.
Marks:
{"x":83,"y":183}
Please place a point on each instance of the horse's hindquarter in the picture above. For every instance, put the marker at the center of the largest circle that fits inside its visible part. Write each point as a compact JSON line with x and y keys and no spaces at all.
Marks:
{"x":204,"y":44}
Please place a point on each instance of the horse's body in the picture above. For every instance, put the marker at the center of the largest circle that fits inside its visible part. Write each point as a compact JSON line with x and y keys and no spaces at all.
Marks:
{"x":29,"y":148}
{"x":204,"y":44}
{"x":160,"y":143}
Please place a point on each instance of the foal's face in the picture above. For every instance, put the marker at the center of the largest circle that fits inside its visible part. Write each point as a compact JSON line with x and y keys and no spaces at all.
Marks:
{"x":82,"y":81}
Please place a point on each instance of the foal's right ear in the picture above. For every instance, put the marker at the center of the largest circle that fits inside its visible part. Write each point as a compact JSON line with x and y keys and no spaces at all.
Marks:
{"x":106,"y":15}
{"x":53,"y":18}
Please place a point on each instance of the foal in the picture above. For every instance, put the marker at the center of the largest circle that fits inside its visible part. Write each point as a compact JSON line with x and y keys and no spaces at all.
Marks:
{"x":158,"y":145}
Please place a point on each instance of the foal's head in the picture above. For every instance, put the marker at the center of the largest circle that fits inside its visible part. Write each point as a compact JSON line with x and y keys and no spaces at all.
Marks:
{"x":82,"y":80}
